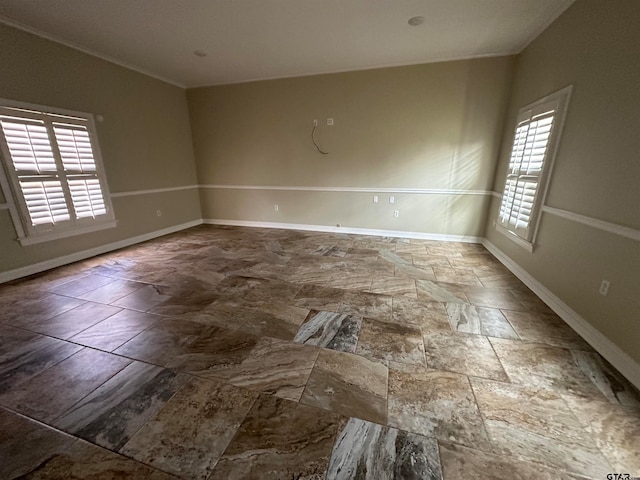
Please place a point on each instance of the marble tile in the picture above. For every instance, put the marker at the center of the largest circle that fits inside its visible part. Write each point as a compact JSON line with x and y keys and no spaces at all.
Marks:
{"x":54,"y":390}
{"x":444,"y":249}
{"x":414,"y":272}
{"x":390,"y":341}
{"x":14,"y":340}
{"x":394,"y":286}
{"x":280,"y":439}
{"x":26,"y":444}
{"x":367,"y":305}
{"x":276,"y":367}
{"x":276,"y":319}
{"x":498,"y":279}
{"x":190,"y":301}
{"x":609,"y":381}
{"x":116,"y":330}
{"x":348,"y":384}
{"x":188,"y":436}
{"x":463,"y":353}
{"x":479,"y":321}
{"x":456,"y":275}
{"x":111,"y":291}
{"x":258,"y":290}
{"x":544,"y":328}
{"x":492,"y":297}
{"x":143,"y":299}
{"x":430,"y":316}
{"x":38,"y":310}
{"x":29,"y":359}
{"x":535,"y":424}
{"x":412,"y":248}
{"x":84,"y":460}
{"x":215,"y":353}
{"x":81,"y":285}
{"x":540,"y":365}
{"x":163,"y":341}
{"x":440,"y":292}
{"x":460,"y":462}
{"x":435,"y":404}
{"x":615,"y":430}
{"x":73,"y":321}
{"x":530,"y":300}
{"x":352,"y":281}
{"x":330,"y":330}
{"x":318,"y":298}
{"x":366,"y":450}
{"x":115,"y":411}
{"x":430,"y":260}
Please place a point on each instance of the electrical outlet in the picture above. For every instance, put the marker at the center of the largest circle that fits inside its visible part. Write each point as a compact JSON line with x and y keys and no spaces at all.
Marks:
{"x":604,"y":288}
{"x":276,"y":207}
{"x":158,"y":213}
{"x":330,"y":122}
{"x":396,"y":213}
{"x":375,"y":199}
{"x":392,"y":199}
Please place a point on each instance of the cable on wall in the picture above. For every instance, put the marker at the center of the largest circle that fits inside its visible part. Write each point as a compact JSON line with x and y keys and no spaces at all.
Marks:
{"x":313,"y":139}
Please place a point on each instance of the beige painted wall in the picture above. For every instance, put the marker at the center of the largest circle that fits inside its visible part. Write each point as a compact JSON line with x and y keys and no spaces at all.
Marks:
{"x":145,"y":138}
{"x":433,"y":126}
{"x":594,"y":45}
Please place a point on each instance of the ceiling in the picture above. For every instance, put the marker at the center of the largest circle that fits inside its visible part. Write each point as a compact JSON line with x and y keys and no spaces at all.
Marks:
{"x":248,"y":40}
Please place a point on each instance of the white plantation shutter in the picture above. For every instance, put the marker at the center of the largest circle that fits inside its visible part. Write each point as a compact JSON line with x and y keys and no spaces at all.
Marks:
{"x":53,"y":166}
{"x":533,"y":142}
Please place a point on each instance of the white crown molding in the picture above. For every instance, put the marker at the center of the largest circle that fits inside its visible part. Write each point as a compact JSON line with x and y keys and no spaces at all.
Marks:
{"x":609,"y":350}
{"x":415,"y":191}
{"x":357,"y":231}
{"x":92,"y":252}
{"x":152,"y":190}
{"x":39,"y":33}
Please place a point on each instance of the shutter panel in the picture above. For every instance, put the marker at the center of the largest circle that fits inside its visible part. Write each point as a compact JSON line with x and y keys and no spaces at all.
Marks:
{"x":45,"y":201}
{"x":29,"y":145}
{"x":87,"y":198}
{"x":530,"y":144}
{"x":75,"y":149}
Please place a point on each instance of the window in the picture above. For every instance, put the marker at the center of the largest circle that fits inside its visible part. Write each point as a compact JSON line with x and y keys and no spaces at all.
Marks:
{"x":53,"y":173}
{"x":535,"y":140}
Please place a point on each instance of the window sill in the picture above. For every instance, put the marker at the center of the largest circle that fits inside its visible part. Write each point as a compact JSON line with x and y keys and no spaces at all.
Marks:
{"x":528,"y":246}
{"x":47,"y":237}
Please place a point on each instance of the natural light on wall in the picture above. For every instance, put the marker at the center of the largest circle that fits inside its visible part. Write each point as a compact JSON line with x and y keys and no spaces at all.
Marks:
{"x":535,"y":142}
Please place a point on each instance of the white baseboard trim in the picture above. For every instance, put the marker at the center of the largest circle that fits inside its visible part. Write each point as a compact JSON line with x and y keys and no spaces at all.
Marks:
{"x":92,"y":252}
{"x":357,"y":231}
{"x":609,"y":350}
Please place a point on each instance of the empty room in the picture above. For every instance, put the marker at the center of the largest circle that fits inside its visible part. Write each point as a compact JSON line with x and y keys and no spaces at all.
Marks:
{"x":296,"y":239}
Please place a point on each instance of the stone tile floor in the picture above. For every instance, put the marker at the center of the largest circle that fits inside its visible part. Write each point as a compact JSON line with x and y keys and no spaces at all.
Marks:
{"x":226,"y":353}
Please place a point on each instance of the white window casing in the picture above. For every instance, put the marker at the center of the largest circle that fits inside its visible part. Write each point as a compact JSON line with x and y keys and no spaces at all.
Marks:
{"x":535,"y":141}
{"x":55,"y":183}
